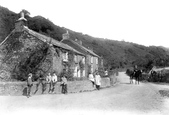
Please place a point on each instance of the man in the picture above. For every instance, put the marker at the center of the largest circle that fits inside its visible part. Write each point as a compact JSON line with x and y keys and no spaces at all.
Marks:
{"x":49,"y":81}
{"x":135,"y":70}
{"x":29,"y":84}
{"x":64,"y":84}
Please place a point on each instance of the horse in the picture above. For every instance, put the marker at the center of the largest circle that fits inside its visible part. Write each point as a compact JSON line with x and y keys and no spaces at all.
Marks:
{"x":136,"y":75}
{"x":130,"y":74}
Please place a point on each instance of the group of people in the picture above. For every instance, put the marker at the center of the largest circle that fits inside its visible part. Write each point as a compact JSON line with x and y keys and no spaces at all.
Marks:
{"x":95,"y":79}
{"x":134,"y":74}
{"x":51,"y":80}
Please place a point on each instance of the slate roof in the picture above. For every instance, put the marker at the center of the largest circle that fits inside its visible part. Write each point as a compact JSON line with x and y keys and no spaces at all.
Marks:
{"x":79,"y":47}
{"x":51,"y":40}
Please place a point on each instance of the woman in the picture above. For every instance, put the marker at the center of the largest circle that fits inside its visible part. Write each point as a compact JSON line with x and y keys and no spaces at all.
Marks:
{"x":91,"y":78}
{"x":98,"y":80}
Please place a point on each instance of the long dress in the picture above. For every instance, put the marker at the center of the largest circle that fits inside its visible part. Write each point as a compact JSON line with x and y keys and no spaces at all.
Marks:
{"x":91,"y":78}
{"x":98,"y":80}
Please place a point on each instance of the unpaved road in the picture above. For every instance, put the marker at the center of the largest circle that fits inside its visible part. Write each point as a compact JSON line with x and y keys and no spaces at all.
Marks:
{"x":122,"y":99}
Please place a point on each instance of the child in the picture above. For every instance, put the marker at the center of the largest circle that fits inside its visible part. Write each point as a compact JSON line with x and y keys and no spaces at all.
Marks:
{"x":64,"y":85}
{"x":29,"y":84}
{"x":54,"y":80}
{"x":49,"y":81}
{"x":91,"y":78}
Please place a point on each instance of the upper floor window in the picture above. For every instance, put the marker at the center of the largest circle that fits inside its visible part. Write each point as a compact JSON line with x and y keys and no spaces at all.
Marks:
{"x":65,"y":56}
{"x":92,"y":69}
{"x":75,"y":58}
{"x":96,"y":60}
{"x":83,"y":60}
{"x":91,"y":59}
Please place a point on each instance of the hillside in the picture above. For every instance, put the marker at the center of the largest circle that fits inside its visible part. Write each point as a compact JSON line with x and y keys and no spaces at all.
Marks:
{"x":115,"y":53}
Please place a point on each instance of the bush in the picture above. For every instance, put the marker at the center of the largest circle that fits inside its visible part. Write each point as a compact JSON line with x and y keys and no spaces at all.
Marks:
{"x":160,"y":76}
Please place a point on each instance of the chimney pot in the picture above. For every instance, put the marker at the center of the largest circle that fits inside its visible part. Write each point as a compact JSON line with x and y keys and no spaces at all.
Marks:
{"x":65,"y":36}
{"x":20,"y":22}
{"x":22,"y":15}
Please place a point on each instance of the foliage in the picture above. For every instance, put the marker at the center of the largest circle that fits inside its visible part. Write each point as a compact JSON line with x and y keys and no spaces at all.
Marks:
{"x":159,"y":76}
{"x":7,"y":22}
{"x":30,"y":65}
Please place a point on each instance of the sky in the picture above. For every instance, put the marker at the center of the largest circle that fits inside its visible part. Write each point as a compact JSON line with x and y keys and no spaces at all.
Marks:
{"x":144,"y":22}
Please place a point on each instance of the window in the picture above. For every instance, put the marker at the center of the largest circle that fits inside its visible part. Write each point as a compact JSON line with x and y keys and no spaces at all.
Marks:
{"x":75,"y":58}
{"x":92,"y":69}
{"x":65,"y":56}
{"x":96,"y":60}
{"x":83,"y":60}
{"x":91,"y":59}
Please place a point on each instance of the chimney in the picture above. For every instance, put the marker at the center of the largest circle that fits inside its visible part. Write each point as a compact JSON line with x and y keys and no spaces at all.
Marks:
{"x":78,"y":41}
{"x":90,"y":48}
{"x":20,"y":22}
{"x":65,"y":36}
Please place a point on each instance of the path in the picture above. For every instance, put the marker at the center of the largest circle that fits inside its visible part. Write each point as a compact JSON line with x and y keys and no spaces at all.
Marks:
{"x":124,"y":98}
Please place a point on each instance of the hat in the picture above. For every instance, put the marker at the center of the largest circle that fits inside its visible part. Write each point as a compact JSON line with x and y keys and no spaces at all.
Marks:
{"x":30,"y":74}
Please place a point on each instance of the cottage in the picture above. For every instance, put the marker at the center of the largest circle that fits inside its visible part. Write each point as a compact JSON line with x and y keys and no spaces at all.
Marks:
{"x":91,"y":62}
{"x":25,"y":50}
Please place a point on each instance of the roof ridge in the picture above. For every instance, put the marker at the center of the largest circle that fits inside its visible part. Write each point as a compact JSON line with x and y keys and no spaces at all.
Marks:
{"x":7,"y":37}
{"x":88,"y":50}
{"x":52,"y":40}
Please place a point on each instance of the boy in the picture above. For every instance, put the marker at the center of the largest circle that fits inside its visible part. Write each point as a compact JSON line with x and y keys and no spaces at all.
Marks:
{"x":29,"y":84}
{"x":54,"y":80}
{"x":64,"y":85}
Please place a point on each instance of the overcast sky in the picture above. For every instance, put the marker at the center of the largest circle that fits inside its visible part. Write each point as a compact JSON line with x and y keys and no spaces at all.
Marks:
{"x":144,"y":22}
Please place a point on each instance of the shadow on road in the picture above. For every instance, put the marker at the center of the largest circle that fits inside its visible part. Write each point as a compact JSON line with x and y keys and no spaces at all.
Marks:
{"x":126,"y":83}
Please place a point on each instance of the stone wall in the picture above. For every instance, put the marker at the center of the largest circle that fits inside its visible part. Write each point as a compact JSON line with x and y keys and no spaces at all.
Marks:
{"x":23,"y":53}
{"x":20,"y":88}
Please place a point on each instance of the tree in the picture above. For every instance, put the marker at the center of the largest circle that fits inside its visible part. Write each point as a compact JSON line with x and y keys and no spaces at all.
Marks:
{"x":149,"y":65}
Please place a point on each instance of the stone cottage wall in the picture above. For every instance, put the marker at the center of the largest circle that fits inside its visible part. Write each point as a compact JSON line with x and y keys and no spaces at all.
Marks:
{"x":23,"y":53}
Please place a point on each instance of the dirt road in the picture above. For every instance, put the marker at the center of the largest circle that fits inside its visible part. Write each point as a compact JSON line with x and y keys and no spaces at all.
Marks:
{"x":124,"y":98}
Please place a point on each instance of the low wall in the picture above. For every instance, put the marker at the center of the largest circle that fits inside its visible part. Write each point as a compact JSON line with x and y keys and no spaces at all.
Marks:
{"x":20,"y":88}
